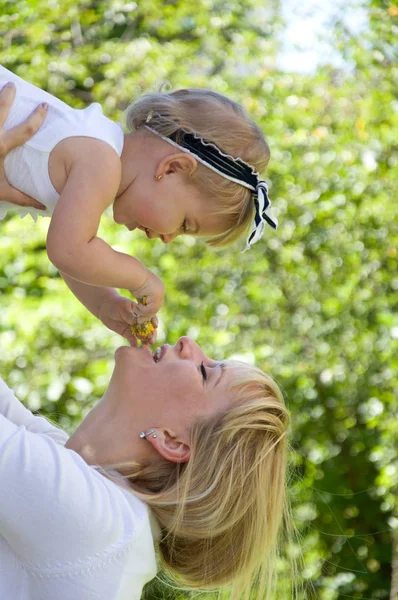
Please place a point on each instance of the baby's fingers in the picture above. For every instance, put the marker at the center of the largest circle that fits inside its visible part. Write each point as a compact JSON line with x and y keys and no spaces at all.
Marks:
{"x":154,"y":334}
{"x":129,"y":311}
{"x":148,"y":310}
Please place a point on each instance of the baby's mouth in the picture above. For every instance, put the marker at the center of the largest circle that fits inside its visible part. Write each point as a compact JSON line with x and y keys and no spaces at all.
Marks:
{"x":145,"y":230}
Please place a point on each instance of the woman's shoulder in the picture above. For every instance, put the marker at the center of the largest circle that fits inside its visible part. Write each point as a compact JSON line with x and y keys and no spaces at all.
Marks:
{"x":120,"y":488}
{"x":59,"y":504}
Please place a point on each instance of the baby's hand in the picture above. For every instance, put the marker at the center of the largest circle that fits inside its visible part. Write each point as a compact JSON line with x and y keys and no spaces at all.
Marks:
{"x":118,"y":315}
{"x":153,"y":290}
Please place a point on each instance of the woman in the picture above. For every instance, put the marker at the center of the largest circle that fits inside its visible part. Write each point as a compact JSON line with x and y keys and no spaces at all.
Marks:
{"x":182,"y":463}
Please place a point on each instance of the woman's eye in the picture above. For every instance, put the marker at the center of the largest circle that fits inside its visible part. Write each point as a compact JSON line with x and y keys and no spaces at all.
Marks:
{"x":203,"y":371}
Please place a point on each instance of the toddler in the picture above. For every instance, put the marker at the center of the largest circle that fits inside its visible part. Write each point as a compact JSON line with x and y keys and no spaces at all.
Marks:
{"x":185,"y":167}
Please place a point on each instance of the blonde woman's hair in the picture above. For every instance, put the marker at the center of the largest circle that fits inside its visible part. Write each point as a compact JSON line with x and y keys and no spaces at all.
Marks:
{"x":223,"y":512}
{"x":222,"y":121}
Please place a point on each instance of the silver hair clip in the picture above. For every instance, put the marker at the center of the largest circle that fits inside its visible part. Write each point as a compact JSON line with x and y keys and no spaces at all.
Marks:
{"x":149,"y":117}
{"x":145,"y":434}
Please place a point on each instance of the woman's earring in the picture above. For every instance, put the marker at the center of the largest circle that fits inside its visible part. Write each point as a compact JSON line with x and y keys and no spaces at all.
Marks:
{"x":144,"y":434}
{"x":158,"y":177}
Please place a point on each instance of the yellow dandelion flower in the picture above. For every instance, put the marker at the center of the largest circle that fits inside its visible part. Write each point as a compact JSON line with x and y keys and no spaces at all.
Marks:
{"x":143,"y":331}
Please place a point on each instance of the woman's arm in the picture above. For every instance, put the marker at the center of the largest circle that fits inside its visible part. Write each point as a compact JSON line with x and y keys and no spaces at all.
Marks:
{"x":15,"y":411}
{"x":54,"y":508}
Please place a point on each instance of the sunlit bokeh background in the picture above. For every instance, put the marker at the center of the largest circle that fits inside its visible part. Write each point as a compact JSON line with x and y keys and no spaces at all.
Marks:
{"x":314,"y":304}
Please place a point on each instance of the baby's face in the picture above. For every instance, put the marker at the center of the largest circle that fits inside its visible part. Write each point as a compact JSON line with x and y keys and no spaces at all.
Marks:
{"x":167,"y":208}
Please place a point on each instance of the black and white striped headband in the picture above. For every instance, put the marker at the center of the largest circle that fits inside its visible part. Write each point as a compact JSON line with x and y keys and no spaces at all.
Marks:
{"x":234,"y":169}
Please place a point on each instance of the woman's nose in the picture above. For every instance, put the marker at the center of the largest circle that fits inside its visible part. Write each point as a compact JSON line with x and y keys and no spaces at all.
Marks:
{"x":187,"y":348}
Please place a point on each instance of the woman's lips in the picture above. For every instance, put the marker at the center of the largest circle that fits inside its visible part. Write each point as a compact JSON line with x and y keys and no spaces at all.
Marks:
{"x":159,"y":353}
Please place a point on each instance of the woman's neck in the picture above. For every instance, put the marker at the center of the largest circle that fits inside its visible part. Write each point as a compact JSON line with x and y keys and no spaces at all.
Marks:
{"x":104,"y":438}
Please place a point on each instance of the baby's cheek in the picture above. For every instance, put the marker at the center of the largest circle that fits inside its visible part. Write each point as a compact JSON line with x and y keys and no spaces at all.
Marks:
{"x":157,"y":212}
{"x":164,"y":221}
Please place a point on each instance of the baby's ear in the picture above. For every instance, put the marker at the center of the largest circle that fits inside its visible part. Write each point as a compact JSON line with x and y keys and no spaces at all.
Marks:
{"x":180,"y":163}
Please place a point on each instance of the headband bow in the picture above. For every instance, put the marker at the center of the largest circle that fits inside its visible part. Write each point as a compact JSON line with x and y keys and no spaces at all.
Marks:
{"x":262,"y":205}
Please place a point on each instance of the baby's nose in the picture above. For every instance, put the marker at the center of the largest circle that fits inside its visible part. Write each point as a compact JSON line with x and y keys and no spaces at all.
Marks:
{"x":168,"y":237}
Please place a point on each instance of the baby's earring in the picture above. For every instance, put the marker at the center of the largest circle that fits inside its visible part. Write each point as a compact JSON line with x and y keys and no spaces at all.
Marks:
{"x":158,"y":177}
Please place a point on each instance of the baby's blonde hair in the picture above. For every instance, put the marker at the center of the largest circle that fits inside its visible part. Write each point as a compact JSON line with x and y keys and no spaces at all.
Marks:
{"x":222,"y":121}
{"x":222,"y":512}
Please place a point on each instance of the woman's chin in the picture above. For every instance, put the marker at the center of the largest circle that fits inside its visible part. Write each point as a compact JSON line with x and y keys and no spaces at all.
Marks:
{"x":122,"y":350}
{"x":129,"y":355}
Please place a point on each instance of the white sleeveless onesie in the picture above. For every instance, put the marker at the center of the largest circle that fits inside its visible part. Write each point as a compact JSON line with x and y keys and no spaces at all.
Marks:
{"x":26,"y":167}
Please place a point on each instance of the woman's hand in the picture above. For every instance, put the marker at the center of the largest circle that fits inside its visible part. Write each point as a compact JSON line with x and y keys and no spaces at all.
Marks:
{"x":12,"y":138}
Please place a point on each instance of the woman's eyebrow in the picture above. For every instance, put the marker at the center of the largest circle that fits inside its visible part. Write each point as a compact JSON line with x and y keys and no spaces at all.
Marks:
{"x":222,"y":368}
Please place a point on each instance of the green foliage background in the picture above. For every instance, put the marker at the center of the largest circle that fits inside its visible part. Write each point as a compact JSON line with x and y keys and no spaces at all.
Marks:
{"x":314,"y":304}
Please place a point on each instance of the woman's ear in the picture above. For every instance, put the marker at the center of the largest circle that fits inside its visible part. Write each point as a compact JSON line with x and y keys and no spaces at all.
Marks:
{"x":168,"y":446}
{"x":174,"y":163}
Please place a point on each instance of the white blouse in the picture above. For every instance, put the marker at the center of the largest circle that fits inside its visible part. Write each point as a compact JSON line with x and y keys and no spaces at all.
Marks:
{"x":66,"y":531}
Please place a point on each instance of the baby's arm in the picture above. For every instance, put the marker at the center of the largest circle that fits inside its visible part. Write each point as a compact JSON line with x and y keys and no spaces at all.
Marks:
{"x":114,"y":310}
{"x":91,"y":296}
{"x":72,"y":244}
